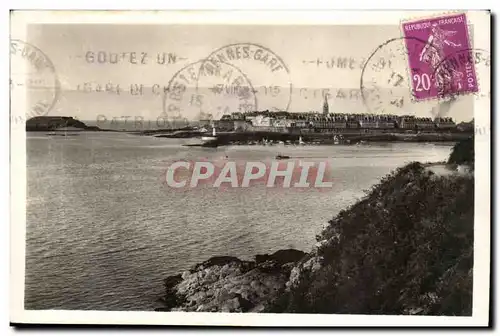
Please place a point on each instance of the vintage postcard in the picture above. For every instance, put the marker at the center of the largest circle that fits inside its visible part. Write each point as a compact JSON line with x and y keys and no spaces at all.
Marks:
{"x":250,"y":168}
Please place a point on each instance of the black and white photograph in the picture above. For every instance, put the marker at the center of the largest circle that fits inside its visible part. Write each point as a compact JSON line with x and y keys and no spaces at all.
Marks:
{"x":250,"y":169}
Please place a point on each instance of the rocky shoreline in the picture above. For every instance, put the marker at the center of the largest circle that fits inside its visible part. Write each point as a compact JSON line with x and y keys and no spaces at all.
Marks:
{"x":405,"y":248}
{"x":256,"y":138}
{"x":228,"y":284}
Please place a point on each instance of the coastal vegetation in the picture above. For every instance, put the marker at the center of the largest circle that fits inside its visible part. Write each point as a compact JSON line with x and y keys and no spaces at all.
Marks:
{"x":405,"y":248}
{"x":463,"y":153}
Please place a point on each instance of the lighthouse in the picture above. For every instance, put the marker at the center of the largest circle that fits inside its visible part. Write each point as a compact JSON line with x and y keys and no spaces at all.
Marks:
{"x":325,"y":106}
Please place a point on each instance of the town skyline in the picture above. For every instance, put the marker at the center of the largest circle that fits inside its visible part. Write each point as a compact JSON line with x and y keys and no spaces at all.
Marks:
{"x":92,"y":61}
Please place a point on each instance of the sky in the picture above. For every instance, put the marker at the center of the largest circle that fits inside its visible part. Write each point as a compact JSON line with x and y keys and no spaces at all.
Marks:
{"x":111,"y":71}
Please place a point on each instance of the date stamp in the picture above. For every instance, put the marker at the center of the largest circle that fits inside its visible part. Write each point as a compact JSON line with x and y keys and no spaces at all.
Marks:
{"x":264,"y":67}
{"x":226,"y":82}
{"x":431,"y":76}
{"x":201,"y":90}
{"x":33,"y":79}
{"x":384,"y":85}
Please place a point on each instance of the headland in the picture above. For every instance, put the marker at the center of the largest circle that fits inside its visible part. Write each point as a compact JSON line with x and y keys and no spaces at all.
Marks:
{"x":406,"y":248}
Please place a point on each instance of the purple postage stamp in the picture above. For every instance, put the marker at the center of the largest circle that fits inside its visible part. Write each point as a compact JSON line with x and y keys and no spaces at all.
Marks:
{"x":442,"y":66}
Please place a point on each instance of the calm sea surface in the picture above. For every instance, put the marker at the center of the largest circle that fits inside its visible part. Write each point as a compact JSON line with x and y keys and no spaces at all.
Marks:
{"x":103,"y":230}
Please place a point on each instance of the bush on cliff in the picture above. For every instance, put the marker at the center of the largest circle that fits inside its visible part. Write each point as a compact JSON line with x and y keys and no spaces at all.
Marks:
{"x":463,"y":153}
{"x":406,"y":248}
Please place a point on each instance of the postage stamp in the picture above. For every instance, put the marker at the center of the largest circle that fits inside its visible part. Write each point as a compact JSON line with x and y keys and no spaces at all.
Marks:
{"x":389,"y":88}
{"x":34,"y":76}
{"x":431,"y":77}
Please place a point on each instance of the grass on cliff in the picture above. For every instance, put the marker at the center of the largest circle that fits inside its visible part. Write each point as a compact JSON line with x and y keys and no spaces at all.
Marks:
{"x":406,"y":248}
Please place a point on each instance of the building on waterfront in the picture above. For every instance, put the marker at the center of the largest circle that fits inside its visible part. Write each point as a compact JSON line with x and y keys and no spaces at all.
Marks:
{"x":425,"y":123}
{"x":445,"y":123}
{"x":330,"y":122}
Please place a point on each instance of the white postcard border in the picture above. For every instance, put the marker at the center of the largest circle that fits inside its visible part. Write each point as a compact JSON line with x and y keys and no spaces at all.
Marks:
{"x":481,"y":21}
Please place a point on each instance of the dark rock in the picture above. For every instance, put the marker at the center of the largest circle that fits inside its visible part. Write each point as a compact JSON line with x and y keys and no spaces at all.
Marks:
{"x":225,"y":283}
{"x":171,"y":298}
{"x":245,"y":304}
{"x":172,"y":280}
{"x":218,"y":261}
{"x":281,"y":257}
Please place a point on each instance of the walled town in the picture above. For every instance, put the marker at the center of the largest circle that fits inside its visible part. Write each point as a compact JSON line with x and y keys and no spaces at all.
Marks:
{"x":326,"y":122}
{"x":330,"y":123}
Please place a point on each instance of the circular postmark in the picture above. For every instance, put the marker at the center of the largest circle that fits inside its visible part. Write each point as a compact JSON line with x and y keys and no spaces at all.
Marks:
{"x":459,"y":73}
{"x":387,"y":89}
{"x":33,"y":79}
{"x":201,"y":91}
{"x":267,"y":71}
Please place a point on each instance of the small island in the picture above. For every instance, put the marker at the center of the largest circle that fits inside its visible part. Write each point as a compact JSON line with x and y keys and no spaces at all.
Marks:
{"x":57,"y":124}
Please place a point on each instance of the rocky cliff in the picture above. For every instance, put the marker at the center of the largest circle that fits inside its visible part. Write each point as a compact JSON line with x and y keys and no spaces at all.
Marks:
{"x":405,"y":248}
{"x":228,"y":284}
